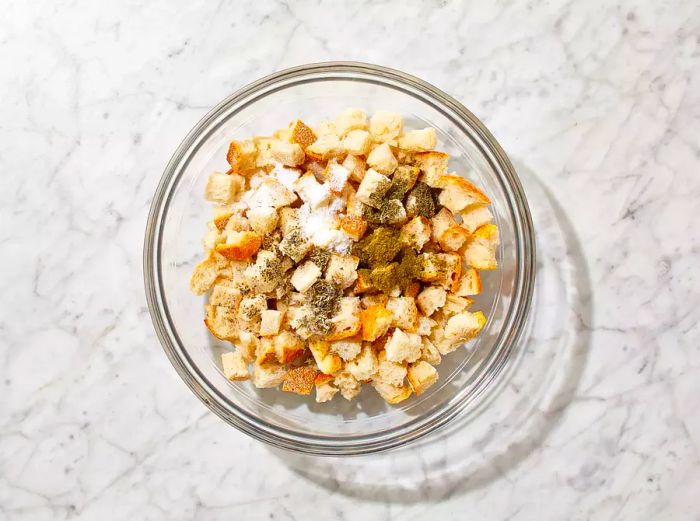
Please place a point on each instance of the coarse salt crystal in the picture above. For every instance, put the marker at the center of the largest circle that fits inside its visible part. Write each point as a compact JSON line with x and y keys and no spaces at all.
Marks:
{"x":286,"y":176}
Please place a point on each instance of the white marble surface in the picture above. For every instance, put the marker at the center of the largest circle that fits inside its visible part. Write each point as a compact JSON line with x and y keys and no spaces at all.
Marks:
{"x":598,"y":103}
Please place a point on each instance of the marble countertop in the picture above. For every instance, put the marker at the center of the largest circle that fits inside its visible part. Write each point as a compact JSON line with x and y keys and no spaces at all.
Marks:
{"x":597,"y":103}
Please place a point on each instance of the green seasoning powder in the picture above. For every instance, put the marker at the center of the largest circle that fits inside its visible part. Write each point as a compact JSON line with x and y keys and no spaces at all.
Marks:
{"x":324,"y":299}
{"x":422,"y":200}
{"x":380,"y":247}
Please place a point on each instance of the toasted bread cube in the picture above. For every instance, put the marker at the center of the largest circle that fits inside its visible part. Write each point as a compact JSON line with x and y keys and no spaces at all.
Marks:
{"x":221,"y":217}
{"x":386,"y":126}
{"x":288,"y":220}
{"x":382,"y":159}
{"x":311,"y":191}
{"x":301,"y":133}
{"x":346,"y":349}
{"x":288,"y":347}
{"x":393,"y":212}
{"x":298,"y":317}
{"x":390,"y":372}
{"x":337,"y":176}
{"x":294,"y":245}
{"x":421,"y":375}
{"x":455,"y":304}
{"x":221,"y":322}
{"x":286,"y":176}
{"x":204,"y":274}
{"x":444,"y":269}
{"x":270,"y":322}
{"x":234,"y":366}
{"x":442,"y":221}
{"x":375,"y":321}
{"x":350,"y":119}
{"x":305,"y":276}
{"x":402,"y":181}
{"x":346,"y":322}
{"x":416,"y":232}
{"x":469,"y":284}
{"x":392,"y":394}
{"x":365,"y":364}
{"x":405,"y":313}
{"x":250,"y":309}
{"x":348,"y":385}
{"x":225,"y":294}
{"x":480,"y":252}
{"x":212,"y":237}
{"x":464,"y":326}
{"x":425,"y":325}
{"x":363,"y":284}
{"x":434,"y":167}
{"x":268,"y":375}
{"x":262,"y":219}
{"x":236,"y":223}
{"x":355,"y":227}
{"x":290,"y":154}
{"x":327,"y":362}
{"x":266,"y":353}
{"x":453,"y":238}
{"x":247,"y":345}
{"x":356,"y":166}
{"x":431,"y":299}
{"x":474,"y":217}
{"x":378,"y":299}
{"x":242,"y":156}
{"x":357,"y":142}
{"x":271,"y":193}
{"x":403,"y":347}
{"x":223,"y":188}
{"x":429,"y":352}
{"x":325,"y":390}
{"x":266,"y":273}
{"x":373,"y":188}
{"x":412,"y":289}
{"x":239,"y":246}
{"x":458,"y":194}
{"x":422,"y":140}
{"x":325,"y":147}
{"x":300,"y":380}
{"x":342,"y":269}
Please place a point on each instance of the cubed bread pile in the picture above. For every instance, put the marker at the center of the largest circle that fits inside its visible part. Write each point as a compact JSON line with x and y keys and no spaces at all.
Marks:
{"x":342,"y":255}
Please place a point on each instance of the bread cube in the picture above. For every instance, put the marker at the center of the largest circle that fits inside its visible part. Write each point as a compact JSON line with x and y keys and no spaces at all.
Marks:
{"x":223,"y":188}
{"x":327,"y":362}
{"x":305,"y":276}
{"x":247,"y":345}
{"x":469,"y":283}
{"x":442,"y":221}
{"x":268,"y":375}
{"x":221,"y":322}
{"x":271,"y":193}
{"x":429,"y":352}
{"x":364,"y":365}
{"x":311,"y":191}
{"x":355,"y":227}
{"x":382,"y":159}
{"x":301,"y":133}
{"x":455,"y":304}
{"x":325,"y":147}
{"x":480,"y":251}
{"x":337,"y":176}
{"x":421,"y":140}
{"x":389,"y":372}
{"x":225,"y":294}
{"x":242,"y":156}
{"x":357,"y":142}
{"x":299,"y":380}
{"x":239,"y":246}
{"x":221,"y":217}
{"x":270,"y":322}
{"x":464,"y":326}
{"x":250,"y":309}
{"x":386,"y":126}
{"x":342,"y":269}
{"x":421,"y":375}
{"x":346,"y":322}
{"x":392,"y":394}
{"x":402,"y":181}
{"x":373,"y":188}
{"x":347,"y":384}
{"x":405,"y":313}
{"x":393,"y":212}
{"x":325,"y":390}
{"x":294,"y":245}
{"x":356,"y":166}
{"x":375,"y":321}
{"x":204,"y":274}
{"x":474,"y":217}
{"x":416,"y":232}
{"x":350,"y":119}
{"x":377,"y":299}
{"x":288,"y":219}
{"x":403,"y":347}
{"x":288,"y":347}
{"x":431,"y":299}
{"x":453,"y":238}
{"x":346,"y":349}
{"x":458,"y":194}
{"x":234,"y":366}
{"x":262,"y":219}
{"x":434,"y":167}
{"x":290,"y":154}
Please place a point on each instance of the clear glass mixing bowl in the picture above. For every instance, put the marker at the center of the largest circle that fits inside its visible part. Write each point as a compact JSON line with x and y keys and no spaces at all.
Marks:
{"x":176,"y":224}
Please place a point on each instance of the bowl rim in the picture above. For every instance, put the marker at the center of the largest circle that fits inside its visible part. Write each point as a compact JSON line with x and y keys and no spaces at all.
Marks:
{"x":504,"y":346}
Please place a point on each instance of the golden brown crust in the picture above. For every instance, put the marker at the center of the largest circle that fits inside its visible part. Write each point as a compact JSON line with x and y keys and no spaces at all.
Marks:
{"x":300,"y":380}
{"x":244,"y":248}
{"x":302,"y":134}
{"x":375,"y":322}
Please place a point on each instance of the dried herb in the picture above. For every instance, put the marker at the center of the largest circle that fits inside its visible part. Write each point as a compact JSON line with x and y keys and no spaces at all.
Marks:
{"x":324,"y":299}
{"x":421,"y":201}
{"x":320,"y":257}
{"x":379,"y":247}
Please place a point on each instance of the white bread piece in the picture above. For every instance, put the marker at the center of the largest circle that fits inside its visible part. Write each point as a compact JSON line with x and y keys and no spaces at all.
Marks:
{"x":247,"y":345}
{"x":421,"y":375}
{"x":337,"y":176}
{"x":422,"y":140}
{"x":386,"y":126}
{"x":357,"y":142}
{"x":431,"y":299}
{"x":325,"y":390}
{"x":250,"y":309}
{"x":347,"y":349}
{"x":440,"y":222}
{"x":382,"y":159}
{"x":469,"y":284}
{"x":350,"y":119}
{"x":225,"y":294}
{"x":403,"y":347}
{"x":393,"y":212}
{"x":429,"y":352}
{"x":267,"y":272}
{"x":236,"y":223}
{"x":239,"y":246}
{"x":206,"y":272}
{"x":305,"y":276}
{"x":288,"y":219}
{"x":327,"y":362}
{"x":453,"y":238}
{"x":372,"y":188}
{"x":464,"y":326}
{"x":365,"y":364}
{"x":357,"y":167}
{"x":474,"y":217}
{"x":480,"y":251}
{"x":290,"y":154}
{"x":346,"y":322}
{"x":325,"y":147}
{"x":392,"y":394}
{"x":223,"y":188}
{"x":455,"y":304}
{"x":390,"y":372}
{"x":270,"y":193}
{"x":270,"y":322}
{"x":268,"y":375}
{"x":375,"y":321}
{"x":288,"y":347}
{"x":425,"y":325}
{"x":376,"y":299}
{"x":242,"y":156}
{"x":286,"y":176}
{"x":405,"y":313}
{"x":311,"y":191}
{"x":221,"y":322}
{"x":434,"y":167}
{"x":263,"y":219}
{"x":348,"y":385}
{"x":342,"y":269}
{"x":295,"y":245}
{"x":458,"y":193}
{"x":416,"y":232}
{"x":234,"y":366}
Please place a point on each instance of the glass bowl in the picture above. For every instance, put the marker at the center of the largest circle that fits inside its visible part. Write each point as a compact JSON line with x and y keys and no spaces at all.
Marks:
{"x":173,"y":244}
